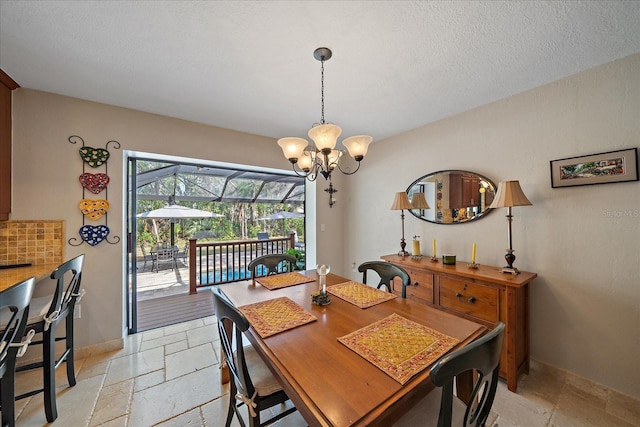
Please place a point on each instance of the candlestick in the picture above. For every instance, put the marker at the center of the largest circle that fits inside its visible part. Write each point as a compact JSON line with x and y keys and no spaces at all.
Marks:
{"x":434,"y":248}
{"x":473,"y":254}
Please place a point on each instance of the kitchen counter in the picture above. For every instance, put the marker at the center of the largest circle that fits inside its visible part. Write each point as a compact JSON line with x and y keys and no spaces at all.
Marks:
{"x":13,"y":276}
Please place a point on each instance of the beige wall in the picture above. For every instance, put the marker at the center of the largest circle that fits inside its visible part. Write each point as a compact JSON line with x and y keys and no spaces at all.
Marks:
{"x":585,"y":304}
{"x":584,"y":242}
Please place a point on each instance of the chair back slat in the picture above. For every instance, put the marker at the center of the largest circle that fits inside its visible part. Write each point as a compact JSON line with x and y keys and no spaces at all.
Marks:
{"x":387,"y":272}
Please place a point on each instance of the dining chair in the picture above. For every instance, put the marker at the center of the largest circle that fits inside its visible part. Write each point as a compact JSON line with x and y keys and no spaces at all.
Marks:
{"x":14,"y":310}
{"x":482,"y":356}
{"x":251,"y":383}
{"x":271,"y":264}
{"x":387,"y":271}
{"x":44,"y":315}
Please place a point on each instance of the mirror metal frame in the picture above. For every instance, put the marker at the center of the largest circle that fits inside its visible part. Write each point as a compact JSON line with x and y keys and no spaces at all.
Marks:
{"x":448,"y":171}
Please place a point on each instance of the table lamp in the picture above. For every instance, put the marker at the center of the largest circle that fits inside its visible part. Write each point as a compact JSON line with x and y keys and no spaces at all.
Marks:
{"x":509,"y":194}
{"x":400,"y":203}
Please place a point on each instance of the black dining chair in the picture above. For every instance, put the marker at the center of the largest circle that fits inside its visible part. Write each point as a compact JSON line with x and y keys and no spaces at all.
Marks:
{"x":14,"y":310}
{"x":146,"y":257}
{"x":482,"y":356}
{"x":271,"y":264}
{"x":251,"y":383}
{"x":387,"y":272}
{"x":44,"y":315}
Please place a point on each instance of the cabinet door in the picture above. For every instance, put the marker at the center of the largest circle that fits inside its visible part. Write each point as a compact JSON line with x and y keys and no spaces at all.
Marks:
{"x":6,"y":86}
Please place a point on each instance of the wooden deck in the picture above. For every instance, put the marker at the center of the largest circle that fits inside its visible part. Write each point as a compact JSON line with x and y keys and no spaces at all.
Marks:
{"x":168,"y":310}
{"x":163,"y":298}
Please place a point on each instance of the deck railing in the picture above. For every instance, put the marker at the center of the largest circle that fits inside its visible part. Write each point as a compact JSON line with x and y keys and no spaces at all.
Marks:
{"x":226,"y":262}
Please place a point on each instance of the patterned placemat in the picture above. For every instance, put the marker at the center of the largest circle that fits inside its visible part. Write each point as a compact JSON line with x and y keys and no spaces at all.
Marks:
{"x":276,"y":315}
{"x":399,"y":347}
{"x":277,"y":281}
{"x":360,"y":294}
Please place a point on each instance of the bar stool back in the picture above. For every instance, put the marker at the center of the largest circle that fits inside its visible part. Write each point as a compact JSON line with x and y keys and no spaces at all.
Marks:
{"x":45,"y":314}
{"x":14,"y":310}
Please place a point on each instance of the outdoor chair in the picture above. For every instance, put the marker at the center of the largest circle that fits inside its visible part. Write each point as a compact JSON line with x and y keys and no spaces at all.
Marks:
{"x":14,"y":310}
{"x":482,"y":356}
{"x":387,"y":271}
{"x":184,"y":254}
{"x":271,"y":264}
{"x":44,"y":315}
{"x":164,"y":256}
{"x":146,"y":257}
{"x":251,"y":383}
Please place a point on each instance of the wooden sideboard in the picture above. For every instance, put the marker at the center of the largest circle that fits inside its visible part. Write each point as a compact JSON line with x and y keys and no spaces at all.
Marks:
{"x":485,"y":295}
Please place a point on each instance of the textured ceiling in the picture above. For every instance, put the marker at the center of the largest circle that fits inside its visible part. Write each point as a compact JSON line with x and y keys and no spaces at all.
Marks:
{"x":249,"y":66}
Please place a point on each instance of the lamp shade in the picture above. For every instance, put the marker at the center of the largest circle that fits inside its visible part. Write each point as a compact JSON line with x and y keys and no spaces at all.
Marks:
{"x":509,"y":194}
{"x":357,"y":145}
{"x":305,"y":161}
{"x":418,"y":201}
{"x":325,"y":136}
{"x":292,"y":147}
{"x":401,"y":202}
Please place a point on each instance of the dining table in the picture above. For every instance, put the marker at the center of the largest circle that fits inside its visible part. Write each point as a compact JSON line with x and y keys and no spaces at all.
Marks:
{"x":321,"y":364}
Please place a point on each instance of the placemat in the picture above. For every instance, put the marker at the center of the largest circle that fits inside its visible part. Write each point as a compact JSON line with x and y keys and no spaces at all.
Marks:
{"x":399,"y":347}
{"x":277,"y":281}
{"x":275,"y":315}
{"x":360,"y":294}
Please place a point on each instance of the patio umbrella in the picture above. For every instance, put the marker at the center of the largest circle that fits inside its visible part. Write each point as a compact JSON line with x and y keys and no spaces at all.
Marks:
{"x":281,"y":215}
{"x":177,"y":212}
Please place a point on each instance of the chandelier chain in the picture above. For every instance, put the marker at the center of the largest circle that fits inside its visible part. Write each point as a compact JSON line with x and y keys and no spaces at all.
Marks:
{"x":322,"y":89}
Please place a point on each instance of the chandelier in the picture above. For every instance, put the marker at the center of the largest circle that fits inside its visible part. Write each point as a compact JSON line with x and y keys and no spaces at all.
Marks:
{"x":323,"y":158}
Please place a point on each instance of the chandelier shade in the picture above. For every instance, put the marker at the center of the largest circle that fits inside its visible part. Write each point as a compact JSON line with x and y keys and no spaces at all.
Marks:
{"x":325,"y":136}
{"x":293,"y":147}
{"x":322,"y":157}
{"x":357,"y":145}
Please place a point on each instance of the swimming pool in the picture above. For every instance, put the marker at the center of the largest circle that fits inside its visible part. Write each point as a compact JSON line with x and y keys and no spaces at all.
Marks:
{"x":229,"y":276}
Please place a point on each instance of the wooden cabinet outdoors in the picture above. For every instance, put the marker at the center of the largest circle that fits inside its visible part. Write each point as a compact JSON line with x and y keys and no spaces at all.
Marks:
{"x":6,"y":86}
{"x":485,"y":295}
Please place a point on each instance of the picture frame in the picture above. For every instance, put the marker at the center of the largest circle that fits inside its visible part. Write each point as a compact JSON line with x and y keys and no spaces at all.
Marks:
{"x":600,"y":168}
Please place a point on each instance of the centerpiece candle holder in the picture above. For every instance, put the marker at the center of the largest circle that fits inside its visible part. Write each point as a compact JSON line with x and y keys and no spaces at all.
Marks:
{"x":321,"y":297}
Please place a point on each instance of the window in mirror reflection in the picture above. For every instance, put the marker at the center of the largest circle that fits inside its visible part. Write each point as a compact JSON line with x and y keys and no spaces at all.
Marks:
{"x":453,"y":196}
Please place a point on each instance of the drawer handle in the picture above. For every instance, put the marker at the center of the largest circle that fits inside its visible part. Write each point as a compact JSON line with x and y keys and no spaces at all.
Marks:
{"x":472,"y":299}
{"x":415,"y":284}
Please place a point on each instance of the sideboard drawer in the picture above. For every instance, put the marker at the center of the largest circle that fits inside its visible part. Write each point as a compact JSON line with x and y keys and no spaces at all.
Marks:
{"x":466,"y":297}
{"x":421,"y":287}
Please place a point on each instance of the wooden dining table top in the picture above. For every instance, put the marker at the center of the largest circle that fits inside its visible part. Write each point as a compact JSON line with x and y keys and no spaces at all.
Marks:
{"x":330,"y":384}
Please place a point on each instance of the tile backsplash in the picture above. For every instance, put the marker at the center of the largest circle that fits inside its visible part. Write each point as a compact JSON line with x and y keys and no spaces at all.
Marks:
{"x":33,"y":241}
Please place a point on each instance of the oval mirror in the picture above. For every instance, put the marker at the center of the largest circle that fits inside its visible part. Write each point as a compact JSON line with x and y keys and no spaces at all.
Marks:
{"x":451,"y":196}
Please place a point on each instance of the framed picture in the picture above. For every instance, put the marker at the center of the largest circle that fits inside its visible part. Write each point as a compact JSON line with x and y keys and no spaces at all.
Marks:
{"x":601,"y":168}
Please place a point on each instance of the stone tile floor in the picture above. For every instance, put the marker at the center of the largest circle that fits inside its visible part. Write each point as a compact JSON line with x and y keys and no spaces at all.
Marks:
{"x":171,"y":377}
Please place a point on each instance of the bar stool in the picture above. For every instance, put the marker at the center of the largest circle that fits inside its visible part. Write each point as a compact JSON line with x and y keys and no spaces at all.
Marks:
{"x":45,"y":313}
{"x":14,"y":310}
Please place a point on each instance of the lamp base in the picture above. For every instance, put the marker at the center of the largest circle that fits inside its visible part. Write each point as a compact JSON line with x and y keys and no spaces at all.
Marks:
{"x":403,"y":253}
{"x":511,"y":270}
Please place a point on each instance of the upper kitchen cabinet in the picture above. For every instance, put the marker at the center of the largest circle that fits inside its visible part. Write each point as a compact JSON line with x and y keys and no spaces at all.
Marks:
{"x":6,"y":86}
